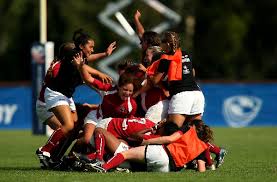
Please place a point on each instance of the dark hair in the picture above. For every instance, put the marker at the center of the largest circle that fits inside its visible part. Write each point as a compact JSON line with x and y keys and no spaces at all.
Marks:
{"x":65,"y":49}
{"x":124,"y":64}
{"x":65,"y":53}
{"x":172,"y":38}
{"x":170,"y":127}
{"x":197,"y":123}
{"x":137,"y":74}
{"x":204,"y":132}
{"x":80,"y":38}
{"x":151,"y":38}
{"x":124,"y":79}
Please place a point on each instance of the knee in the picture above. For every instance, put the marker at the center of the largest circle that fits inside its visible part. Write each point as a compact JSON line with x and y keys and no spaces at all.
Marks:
{"x":86,"y":140}
{"x":68,"y":127}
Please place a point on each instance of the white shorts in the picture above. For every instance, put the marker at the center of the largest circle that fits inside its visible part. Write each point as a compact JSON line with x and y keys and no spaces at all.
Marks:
{"x":54,"y":99}
{"x":157,"y":112}
{"x":91,"y":118}
{"x":104,"y":123}
{"x":188,"y":103}
{"x":42,"y":113}
{"x":156,"y":159}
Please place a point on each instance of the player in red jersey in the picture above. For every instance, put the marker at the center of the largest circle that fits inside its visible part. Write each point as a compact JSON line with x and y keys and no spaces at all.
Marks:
{"x":165,"y":154}
{"x":205,"y":133}
{"x":124,"y":129}
{"x":154,"y":101}
{"x":117,"y":134}
{"x":116,"y":102}
{"x":45,"y":116}
{"x":66,"y":76}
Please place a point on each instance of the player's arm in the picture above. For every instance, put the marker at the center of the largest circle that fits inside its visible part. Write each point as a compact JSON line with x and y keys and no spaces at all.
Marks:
{"x":161,"y":70}
{"x":139,"y":136}
{"x":108,"y":52}
{"x":156,"y":78}
{"x":104,"y":85}
{"x":139,"y":26}
{"x":86,"y":71}
{"x":163,"y":140}
{"x":91,"y":106}
{"x":172,"y":133}
{"x":145,"y":87}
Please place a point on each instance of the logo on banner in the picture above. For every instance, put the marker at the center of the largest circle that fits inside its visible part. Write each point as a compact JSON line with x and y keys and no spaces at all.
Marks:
{"x":240,"y":110}
{"x":7,"y":112}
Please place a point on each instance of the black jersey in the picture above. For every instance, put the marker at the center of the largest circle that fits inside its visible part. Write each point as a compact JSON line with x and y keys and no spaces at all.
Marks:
{"x":66,"y":79}
{"x":187,"y":83}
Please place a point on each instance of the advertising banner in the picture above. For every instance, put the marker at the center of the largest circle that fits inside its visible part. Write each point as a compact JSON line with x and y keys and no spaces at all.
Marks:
{"x":16,"y":108}
{"x":240,"y":105}
{"x":227,"y":105}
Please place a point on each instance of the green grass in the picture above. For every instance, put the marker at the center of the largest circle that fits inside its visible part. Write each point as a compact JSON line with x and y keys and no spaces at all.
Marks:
{"x":252,"y":156}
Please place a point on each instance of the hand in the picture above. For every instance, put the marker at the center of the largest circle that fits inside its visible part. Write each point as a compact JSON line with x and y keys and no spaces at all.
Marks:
{"x":111,"y":48}
{"x":90,"y":106}
{"x":136,"y":94}
{"x":78,"y":60}
{"x":142,"y":68}
{"x":105,"y":78}
{"x":137,"y":15}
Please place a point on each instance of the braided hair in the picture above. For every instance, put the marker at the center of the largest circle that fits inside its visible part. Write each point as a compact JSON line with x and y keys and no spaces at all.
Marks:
{"x":172,"y":39}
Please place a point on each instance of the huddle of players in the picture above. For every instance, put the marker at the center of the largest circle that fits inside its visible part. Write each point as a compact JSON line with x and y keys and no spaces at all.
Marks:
{"x":129,"y":122}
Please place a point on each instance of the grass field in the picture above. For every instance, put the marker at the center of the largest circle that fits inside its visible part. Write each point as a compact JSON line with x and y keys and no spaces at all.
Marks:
{"x":252,"y":156}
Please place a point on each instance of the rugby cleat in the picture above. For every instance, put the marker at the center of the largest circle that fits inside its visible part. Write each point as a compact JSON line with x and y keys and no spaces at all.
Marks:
{"x":44,"y":158}
{"x":82,"y":157}
{"x":211,"y":167}
{"x":220,"y":158}
{"x":122,"y":170}
{"x":96,"y":166}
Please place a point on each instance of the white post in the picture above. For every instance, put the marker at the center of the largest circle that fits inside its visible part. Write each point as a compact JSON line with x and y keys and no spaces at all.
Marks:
{"x":48,"y":46}
{"x":43,"y":21}
{"x":49,"y":53}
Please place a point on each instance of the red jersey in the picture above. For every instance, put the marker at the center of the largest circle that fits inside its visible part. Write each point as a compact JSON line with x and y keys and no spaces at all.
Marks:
{"x":54,"y":72}
{"x":102,"y":86}
{"x":152,"y":97}
{"x":113,"y":106}
{"x":125,"y":128}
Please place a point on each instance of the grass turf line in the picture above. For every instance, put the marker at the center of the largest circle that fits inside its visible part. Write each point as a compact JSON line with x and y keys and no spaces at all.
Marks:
{"x":252,"y":156}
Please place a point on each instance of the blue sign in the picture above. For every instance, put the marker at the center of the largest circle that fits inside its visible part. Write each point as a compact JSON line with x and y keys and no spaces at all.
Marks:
{"x":15,"y":108}
{"x":227,"y":105}
{"x":240,"y":105}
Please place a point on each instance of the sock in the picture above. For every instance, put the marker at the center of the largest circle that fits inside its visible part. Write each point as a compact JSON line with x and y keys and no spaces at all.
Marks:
{"x":91,"y":155}
{"x":53,"y":141}
{"x":207,"y":154}
{"x":114,"y":161}
{"x":213,"y":148}
{"x":100,"y":146}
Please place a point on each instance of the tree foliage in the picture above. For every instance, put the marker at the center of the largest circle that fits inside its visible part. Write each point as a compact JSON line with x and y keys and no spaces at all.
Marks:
{"x":232,"y":40}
